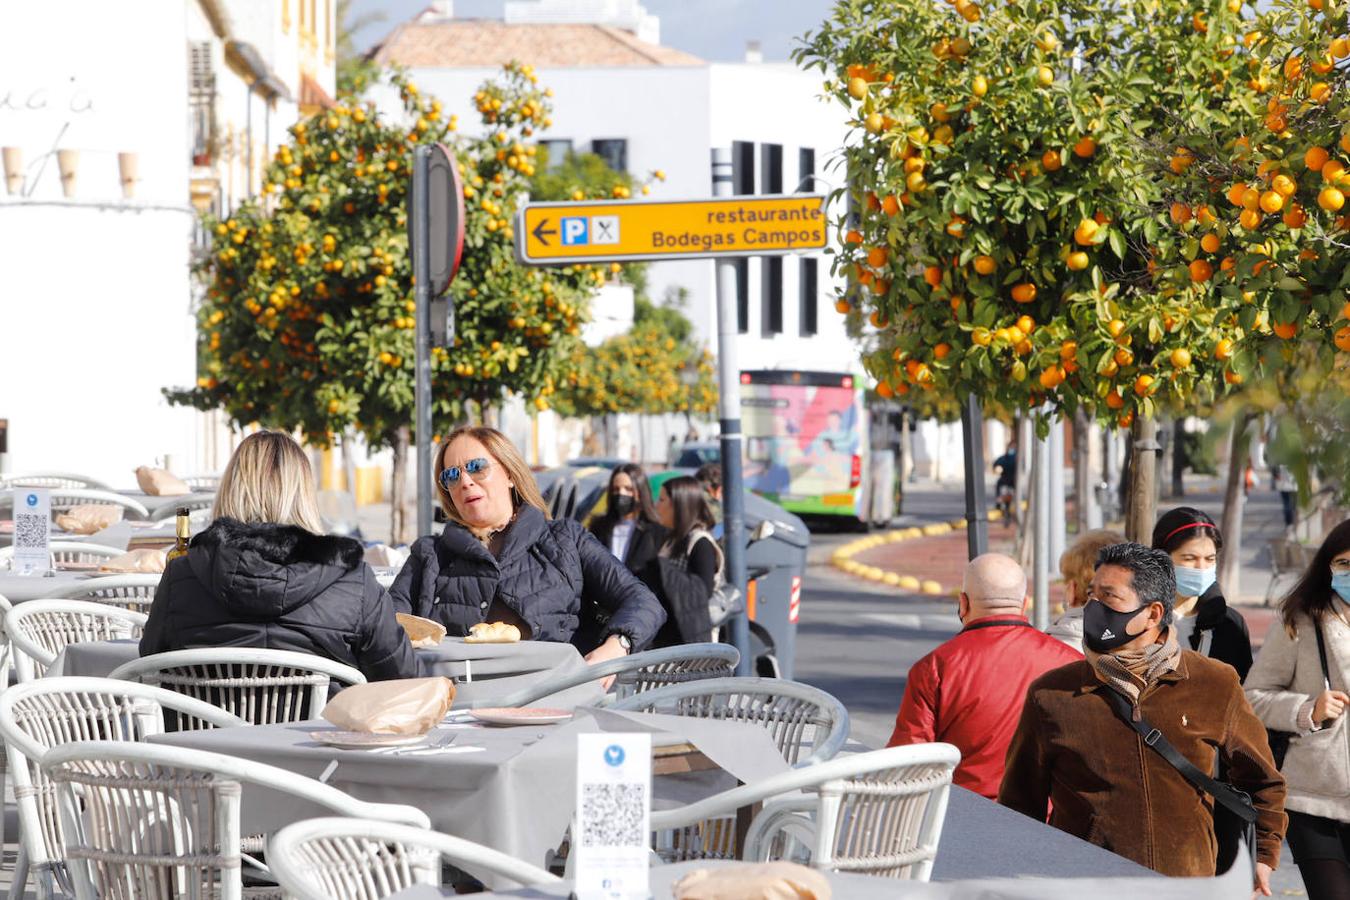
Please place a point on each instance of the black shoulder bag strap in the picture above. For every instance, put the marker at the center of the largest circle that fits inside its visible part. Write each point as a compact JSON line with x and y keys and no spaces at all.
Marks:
{"x":1227,"y":796}
{"x":998,"y":623}
{"x":1322,"y":654}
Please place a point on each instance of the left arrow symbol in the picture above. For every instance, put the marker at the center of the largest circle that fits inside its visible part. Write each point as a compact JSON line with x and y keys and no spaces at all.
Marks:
{"x":540,"y":231}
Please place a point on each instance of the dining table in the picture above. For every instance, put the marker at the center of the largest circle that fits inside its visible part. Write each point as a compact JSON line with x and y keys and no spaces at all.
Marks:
{"x":18,"y":588}
{"x":510,"y":788}
{"x":481,"y":672}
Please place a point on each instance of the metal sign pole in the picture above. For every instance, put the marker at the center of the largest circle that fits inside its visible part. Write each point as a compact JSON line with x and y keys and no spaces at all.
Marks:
{"x":977,"y":506}
{"x":420,"y":214}
{"x":1040,"y":512}
{"x":729,"y":415}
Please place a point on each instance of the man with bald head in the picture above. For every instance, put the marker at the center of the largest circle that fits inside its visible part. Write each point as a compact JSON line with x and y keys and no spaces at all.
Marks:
{"x":969,"y":691}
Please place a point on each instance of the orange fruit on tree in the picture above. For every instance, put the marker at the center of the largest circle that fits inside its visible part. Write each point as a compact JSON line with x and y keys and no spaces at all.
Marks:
{"x":884,"y":390}
{"x":1315,"y":158}
{"x":915,"y":182}
{"x":1340,"y":48}
{"x":979,"y":86}
{"x":880,"y":286}
{"x":1345,"y":142}
{"x":932,"y":275}
{"x":877,"y":256}
{"x":842,"y":306}
{"x":1052,"y":376}
{"x":1236,"y":192}
{"x":981,"y":337}
{"x":1201,"y":270}
{"x":1286,"y":330}
{"x":1077,"y":261}
{"x":1181,"y":358}
{"x":1026,"y":324}
{"x":1126,"y":420}
{"x":1320,"y":92}
{"x":1115,"y":328}
{"x":878,"y":319}
{"x":1345,"y":311}
{"x":1205,"y":216}
{"x":1333,"y":171}
{"x":1180,"y":213}
{"x":1085,"y":232}
{"x":956,"y":227}
{"x":1232,"y":377}
{"x":1085,"y":147}
{"x":890,"y":205}
{"x":1114,"y":400}
{"x":857,"y":88}
{"x":1210,"y":243}
{"x":1050,"y":161}
{"x":1045,"y":76}
{"x":985,"y":265}
{"x":1295,"y":217}
{"x":1024,"y":292}
{"x":1251,"y":198}
{"x":956,"y":303}
{"x":1272,"y":201}
{"x":853,"y":237}
{"x":941,"y":350}
{"x":1250,"y":219}
{"x":1143,"y":385}
{"x":1331,"y":199}
{"x":1342,"y":339}
{"x":1223,"y":350}
{"x":1123,"y":357}
{"x":1068,"y":350}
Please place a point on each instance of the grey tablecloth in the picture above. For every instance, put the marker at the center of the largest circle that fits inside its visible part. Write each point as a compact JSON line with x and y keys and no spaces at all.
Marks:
{"x":157,"y":503}
{"x":481,"y":672}
{"x":19,"y":588}
{"x":515,"y":794}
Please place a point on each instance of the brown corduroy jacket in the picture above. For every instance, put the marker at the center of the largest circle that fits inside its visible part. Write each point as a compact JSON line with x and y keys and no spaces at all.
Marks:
{"x":1107,"y":787}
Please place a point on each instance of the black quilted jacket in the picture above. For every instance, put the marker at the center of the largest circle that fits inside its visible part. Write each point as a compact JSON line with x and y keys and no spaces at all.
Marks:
{"x":281,"y":588}
{"x":555,"y":575}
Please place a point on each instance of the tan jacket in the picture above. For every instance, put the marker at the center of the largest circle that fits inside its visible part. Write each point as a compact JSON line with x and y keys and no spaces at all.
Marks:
{"x":1282,"y":685}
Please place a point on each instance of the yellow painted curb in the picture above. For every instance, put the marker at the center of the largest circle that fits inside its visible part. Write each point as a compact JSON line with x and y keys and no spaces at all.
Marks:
{"x":842,"y":558}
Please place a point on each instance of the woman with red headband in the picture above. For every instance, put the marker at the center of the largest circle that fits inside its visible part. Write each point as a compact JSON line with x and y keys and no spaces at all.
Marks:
{"x":1202,"y":618}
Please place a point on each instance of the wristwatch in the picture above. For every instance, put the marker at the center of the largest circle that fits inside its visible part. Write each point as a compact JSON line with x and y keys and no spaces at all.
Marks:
{"x":625,"y":642}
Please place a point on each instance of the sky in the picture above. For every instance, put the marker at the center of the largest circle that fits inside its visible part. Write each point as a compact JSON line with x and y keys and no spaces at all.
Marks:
{"x":715,"y":30}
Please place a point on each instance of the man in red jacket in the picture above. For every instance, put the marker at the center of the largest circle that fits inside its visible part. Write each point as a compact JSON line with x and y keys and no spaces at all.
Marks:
{"x":969,"y":691}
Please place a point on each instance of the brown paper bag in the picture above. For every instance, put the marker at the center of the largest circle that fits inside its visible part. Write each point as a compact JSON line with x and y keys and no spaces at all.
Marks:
{"x":422,"y":633}
{"x":161,"y":482}
{"x":144,"y":561}
{"x":761,"y":881}
{"x":405,"y":706}
{"x":88,"y":518}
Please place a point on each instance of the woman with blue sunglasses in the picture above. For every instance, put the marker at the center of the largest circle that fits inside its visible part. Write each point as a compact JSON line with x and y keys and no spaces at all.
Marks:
{"x":501,"y":559}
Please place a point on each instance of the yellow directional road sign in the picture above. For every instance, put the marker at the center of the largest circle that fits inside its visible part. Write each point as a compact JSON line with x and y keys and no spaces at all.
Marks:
{"x":618,"y":230}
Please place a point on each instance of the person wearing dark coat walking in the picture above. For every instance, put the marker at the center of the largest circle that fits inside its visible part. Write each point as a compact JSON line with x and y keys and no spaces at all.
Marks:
{"x":501,"y":559}
{"x":263,"y":575}
{"x":1203,"y":620}
{"x":690,"y":565}
{"x":628,"y":526}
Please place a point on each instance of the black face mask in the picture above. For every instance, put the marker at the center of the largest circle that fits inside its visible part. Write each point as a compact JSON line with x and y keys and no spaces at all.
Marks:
{"x":622,"y":504}
{"x":1104,"y":627}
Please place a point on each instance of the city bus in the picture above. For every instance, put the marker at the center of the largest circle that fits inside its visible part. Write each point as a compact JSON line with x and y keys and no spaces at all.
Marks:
{"x":808,"y":447}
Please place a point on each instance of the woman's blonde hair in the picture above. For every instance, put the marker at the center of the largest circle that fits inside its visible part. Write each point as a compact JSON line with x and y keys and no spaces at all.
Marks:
{"x":504,"y":454}
{"x":1079,"y":562}
{"x":269,"y":480}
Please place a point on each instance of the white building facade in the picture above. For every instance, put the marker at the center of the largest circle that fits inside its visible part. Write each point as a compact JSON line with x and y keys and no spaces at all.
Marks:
{"x":120,"y":123}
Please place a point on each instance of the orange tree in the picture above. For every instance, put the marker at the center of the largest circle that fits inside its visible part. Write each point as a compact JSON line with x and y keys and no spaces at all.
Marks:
{"x":1004,"y":214}
{"x":307,"y":323}
{"x":1277,"y":175}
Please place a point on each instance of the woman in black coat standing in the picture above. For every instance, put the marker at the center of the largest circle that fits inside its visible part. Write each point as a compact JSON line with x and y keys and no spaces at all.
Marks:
{"x":1203,"y":620}
{"x":501,"y":559}
{"x":628,"y":526}
{"x":265,"y":575}
{"x":690,"y":565}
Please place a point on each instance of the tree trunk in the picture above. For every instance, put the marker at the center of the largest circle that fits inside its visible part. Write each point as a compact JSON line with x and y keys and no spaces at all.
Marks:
{"x":1179,"y":458}
{"x":1143,"y":489}
{"x":399,"y":528}
{"x":1084,"y":499}
{"x":1234,"y":502}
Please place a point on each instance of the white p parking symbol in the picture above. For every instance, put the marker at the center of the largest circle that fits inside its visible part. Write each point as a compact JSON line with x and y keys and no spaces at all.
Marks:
{"x":574,"y":230}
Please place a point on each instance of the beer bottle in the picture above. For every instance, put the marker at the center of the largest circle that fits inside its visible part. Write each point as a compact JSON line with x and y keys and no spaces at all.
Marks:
{"x":184,"y":531}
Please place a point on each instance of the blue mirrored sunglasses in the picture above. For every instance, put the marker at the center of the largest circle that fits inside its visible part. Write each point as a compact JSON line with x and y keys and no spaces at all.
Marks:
{"x":450,"y":476}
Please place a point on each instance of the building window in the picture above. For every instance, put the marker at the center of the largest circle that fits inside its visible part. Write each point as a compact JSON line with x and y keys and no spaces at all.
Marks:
{"x":743,"y":167}
{"x":806,"y":169}
{"x":202,"y":102}
{"x":742,"y":295}
{"x":614,"y":151}
{"x":556,"y":151}
{"x":771,"y":288}
{"x":771,"y":168}
{"x":808,"y":287}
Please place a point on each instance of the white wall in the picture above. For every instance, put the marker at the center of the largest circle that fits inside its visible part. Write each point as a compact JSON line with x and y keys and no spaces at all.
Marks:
{"x":94,"y":307}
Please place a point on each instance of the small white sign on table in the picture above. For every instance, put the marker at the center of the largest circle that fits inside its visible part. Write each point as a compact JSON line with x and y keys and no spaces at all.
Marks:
{"x":32,"y":531}
{"x":613,"y":828}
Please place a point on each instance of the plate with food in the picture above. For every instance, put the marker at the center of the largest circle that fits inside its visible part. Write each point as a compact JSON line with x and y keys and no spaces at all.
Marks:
{"x":492,"y":633}
{"x":523,"y":715}
{"x":365,"y":740}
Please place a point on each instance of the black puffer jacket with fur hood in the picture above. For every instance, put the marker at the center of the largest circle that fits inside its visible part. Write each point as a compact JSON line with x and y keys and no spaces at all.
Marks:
{"x":279,"y":587}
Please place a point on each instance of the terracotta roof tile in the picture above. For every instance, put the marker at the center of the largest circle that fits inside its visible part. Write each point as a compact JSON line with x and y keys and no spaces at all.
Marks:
{"x":488,"y":43}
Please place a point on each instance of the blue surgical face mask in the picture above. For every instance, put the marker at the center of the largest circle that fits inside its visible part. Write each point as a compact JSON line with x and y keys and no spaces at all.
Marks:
{"x":1340,"y":583}
{"x":1194,"y":582}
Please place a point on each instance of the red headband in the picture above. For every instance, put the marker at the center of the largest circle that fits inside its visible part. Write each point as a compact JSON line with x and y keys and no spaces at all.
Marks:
{"x":1174,"y":531}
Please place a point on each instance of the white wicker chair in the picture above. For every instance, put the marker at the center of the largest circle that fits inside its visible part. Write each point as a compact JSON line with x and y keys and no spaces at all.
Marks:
{"x":50,"y":712}
{"x":263,"y":687}
{"x":134,"y":592}
{"x":195,"y":506}
{"x":797,"y":715}
{"x":877,"y":813}
{"x":63,"y":499}
{"x":150,"y":821}
{"x":352,"y":859}
{"x":51,"y":480}
{"x":40,"y":629}
{"x":68,"y":552}
{"x":203,"y":482}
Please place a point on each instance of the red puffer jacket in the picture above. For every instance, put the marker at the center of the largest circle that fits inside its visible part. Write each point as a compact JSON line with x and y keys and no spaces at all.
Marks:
{"x":969,"y":692}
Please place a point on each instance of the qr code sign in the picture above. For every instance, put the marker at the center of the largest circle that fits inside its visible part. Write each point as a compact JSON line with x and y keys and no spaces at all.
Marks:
{"x":612,"y":815}
{"x":29,"y":530}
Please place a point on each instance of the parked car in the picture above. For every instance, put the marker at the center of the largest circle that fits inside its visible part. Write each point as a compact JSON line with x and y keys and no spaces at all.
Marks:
{"x":694,"y":454}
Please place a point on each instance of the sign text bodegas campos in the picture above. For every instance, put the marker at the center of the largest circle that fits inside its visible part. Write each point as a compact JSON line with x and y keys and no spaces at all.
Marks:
{"x":619,"y":230}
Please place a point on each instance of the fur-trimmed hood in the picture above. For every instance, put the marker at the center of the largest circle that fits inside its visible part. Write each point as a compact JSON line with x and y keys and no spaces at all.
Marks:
{"x":263,"y":570}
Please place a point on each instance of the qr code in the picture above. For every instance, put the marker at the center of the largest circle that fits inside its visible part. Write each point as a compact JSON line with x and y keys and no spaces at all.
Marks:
{"x":29,"y":530}
{"x":612,"y":815}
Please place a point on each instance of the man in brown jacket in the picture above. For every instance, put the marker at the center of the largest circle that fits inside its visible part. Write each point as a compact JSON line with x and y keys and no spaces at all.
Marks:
{"x":1104,"y":783}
